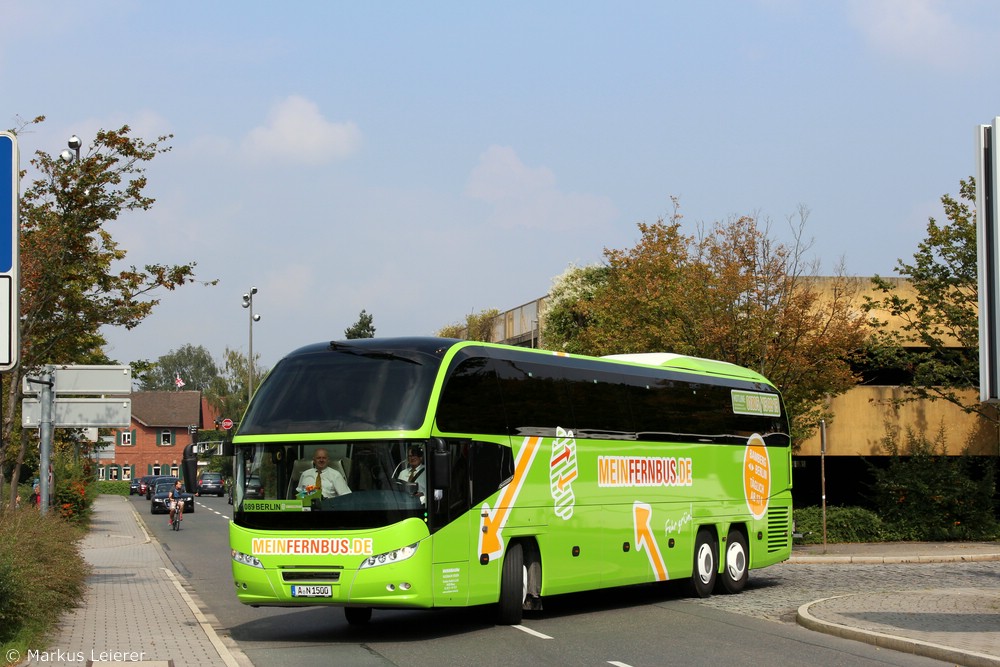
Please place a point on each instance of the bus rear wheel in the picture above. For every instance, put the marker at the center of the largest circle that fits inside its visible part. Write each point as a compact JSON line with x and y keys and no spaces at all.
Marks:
{"x":358,"y":615}
{"x":735,"y":571}
{"x":706,"y":564}
{"x":512,"y":583}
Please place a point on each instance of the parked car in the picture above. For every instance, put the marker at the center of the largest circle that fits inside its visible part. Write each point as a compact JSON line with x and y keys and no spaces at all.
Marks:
{"x":211,"y":483}
{"x":133,"y":486}
{"x":151,"y":488}
{"x":159,"y":504}
{"x":253,"y":491}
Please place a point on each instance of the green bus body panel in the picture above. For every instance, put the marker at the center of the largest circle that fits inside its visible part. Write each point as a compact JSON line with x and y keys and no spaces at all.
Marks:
{"x":603,"y":513}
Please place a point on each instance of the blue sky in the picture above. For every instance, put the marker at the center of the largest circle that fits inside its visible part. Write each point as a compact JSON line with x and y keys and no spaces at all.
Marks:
{"x":426,"y":160}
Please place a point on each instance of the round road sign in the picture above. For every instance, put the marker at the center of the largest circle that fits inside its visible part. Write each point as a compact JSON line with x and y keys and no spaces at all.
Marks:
{"x":227,"y":423}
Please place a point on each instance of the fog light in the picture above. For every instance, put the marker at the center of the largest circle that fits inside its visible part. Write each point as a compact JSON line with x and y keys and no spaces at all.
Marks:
{"x":404,"y":586}
{"x":390,"y":587}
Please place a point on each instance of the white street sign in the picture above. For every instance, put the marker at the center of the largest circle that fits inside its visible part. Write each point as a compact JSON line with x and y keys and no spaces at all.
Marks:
{"x":80,"y":412}
{"x":86,"y":380}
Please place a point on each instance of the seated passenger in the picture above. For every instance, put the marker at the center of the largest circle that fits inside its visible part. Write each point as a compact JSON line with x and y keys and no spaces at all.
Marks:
{"x":331,"y":481}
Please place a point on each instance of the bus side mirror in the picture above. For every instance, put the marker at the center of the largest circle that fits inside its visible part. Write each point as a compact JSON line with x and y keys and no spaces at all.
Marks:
{"x":441,"y":464}
{"x":227,"y":448}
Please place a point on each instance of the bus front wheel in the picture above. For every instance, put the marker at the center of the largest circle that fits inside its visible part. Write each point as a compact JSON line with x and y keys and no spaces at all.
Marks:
{"x":358,"y":615}
{"x":512,"y":582}
{"x":735,"y":570}
{"x":706,"y":564}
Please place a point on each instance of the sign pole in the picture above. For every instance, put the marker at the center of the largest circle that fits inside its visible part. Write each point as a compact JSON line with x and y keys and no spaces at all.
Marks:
{"x":45,"y":428}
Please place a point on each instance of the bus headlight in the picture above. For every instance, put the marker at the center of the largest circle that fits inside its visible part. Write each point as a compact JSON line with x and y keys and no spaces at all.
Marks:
{"x":390,"y":557}
{"x":246,"y":559}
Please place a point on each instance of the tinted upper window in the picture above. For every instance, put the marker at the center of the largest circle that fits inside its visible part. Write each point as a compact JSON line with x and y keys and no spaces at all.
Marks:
{"x":344,"y":387}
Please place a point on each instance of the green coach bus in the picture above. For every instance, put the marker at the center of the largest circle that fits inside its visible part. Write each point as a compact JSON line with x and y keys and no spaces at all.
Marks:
{"x":543,"y":473}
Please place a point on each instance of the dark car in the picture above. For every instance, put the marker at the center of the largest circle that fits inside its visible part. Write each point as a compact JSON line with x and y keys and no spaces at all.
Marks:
{"x":159,"y":504}
{"x":211,"y":483}
{"x":133,"y":486}
{"x":156,"y":479}
{"x":253,"y":491}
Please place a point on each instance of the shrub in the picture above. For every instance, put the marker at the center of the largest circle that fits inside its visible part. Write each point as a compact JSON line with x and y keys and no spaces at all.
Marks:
{"x":42,"y":572}
{"x":843,"y":524}
{"x":927,"y":495}
{"x":114,"y":487}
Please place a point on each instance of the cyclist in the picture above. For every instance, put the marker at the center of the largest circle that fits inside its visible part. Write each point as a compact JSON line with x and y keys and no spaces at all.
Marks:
{"x":176,"y":502}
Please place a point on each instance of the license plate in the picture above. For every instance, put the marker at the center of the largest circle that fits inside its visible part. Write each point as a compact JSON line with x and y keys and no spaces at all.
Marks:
{"x":312,"y":591}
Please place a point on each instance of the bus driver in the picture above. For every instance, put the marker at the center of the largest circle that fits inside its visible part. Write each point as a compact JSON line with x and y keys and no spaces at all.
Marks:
{"x":331,"y":480}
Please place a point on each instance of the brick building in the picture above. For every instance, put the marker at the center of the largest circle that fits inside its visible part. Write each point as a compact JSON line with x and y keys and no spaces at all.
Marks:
{"x":160,"y":430}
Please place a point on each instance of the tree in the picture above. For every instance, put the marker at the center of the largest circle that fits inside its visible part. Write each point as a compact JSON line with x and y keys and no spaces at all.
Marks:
{"x":363,"y":328}
{"x":193,"y":365}
{"x":731,"y":293}
{"x":72,"y":279}
{"x":937,"y":344}
{"x":477,"y":327}
{"x":228,"y":390}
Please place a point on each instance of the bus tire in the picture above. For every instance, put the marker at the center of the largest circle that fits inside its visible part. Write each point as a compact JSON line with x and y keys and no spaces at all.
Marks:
{"x":706,"y":564}
{"x":358,"y":615}
{"x":735,"y":570}
{"x":509,"y":607}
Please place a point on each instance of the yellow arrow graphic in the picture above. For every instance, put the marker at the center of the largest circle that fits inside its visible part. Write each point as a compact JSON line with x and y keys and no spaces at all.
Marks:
{"x":644,"y":539}
{"x":493,"y":521}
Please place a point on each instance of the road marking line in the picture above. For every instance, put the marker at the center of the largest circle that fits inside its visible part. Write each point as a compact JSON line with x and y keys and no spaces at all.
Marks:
{"x":531,"y":632}
{"x":618,"y":664}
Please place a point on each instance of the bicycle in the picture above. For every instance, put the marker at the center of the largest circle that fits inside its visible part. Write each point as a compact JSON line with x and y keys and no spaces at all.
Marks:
{"x":177,"y":514}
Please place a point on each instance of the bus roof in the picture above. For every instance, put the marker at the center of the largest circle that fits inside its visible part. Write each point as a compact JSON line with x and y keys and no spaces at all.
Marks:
{"x":684,"y":362}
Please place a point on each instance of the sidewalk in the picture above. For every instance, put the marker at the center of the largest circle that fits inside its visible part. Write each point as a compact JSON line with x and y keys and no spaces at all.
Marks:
{"x":137,"y":609}
{"x":958,"y":625}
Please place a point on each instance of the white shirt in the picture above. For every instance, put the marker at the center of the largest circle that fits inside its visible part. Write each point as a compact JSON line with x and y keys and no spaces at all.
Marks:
{"x":334,"y":483}
{"x":414,"y":476}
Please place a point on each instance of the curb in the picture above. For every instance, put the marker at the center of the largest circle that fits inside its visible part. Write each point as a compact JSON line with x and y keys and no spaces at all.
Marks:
{"x":891,"y":560}
{"x":913,"y":646}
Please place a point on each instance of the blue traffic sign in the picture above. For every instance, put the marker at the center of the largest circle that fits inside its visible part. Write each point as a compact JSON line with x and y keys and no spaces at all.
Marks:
{"x":10,"y":283}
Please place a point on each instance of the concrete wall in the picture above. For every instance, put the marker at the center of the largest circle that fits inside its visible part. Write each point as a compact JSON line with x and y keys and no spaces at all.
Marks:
{"x":862,"y":413}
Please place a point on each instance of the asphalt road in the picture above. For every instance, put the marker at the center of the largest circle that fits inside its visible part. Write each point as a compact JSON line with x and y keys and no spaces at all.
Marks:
{"x":648,"y":625}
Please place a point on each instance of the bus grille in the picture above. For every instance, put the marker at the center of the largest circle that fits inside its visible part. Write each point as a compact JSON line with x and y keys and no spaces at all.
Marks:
{"x":778,"y":529}
{"x":299,"y":576}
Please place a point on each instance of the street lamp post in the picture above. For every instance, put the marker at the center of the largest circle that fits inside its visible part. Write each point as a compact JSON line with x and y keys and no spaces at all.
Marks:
{"x":254,"y":317}
{"x":74,"y":143}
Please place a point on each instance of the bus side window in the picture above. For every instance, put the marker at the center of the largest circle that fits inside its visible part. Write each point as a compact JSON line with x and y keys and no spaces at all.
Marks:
{"x":492,"y":466}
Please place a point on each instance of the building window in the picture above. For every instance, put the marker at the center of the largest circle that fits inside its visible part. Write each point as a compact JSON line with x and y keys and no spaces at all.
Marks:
{"x":113,"y":471}
{"x":166,"y":437}
{"x":175,"y":471}
{"x":100,"y":473}
{"x":127,"y":473}
{"x":156,"y":469}
{"x":125,"y":438}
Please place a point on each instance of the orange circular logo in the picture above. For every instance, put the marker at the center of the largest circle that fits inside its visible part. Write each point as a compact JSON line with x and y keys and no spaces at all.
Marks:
{"x":756,"y":476}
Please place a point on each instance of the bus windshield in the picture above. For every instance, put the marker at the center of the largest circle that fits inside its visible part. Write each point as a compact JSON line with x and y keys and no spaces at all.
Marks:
{"x":367,"y":484}
{"x":356,"y":388}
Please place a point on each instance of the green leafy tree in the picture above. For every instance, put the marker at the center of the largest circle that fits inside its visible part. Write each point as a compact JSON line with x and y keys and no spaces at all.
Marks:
{"x":937,"y":340}
{"x":194,"y":365}
{"x":363,"y":328}
{"x":731,"y":293}
{"x":228,"y":391}
{"x":73,"y":281}
{"x":478,"y":326}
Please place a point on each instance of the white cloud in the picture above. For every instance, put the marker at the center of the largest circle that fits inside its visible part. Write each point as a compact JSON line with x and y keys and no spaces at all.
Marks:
{"x":921,"y":31}
{"x":296,"y":131}
{"x":527,"y":197}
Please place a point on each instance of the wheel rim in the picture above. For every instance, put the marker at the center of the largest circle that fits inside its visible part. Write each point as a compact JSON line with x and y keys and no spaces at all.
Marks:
{"x":736,"y":561}
{"x":706,"y":564}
